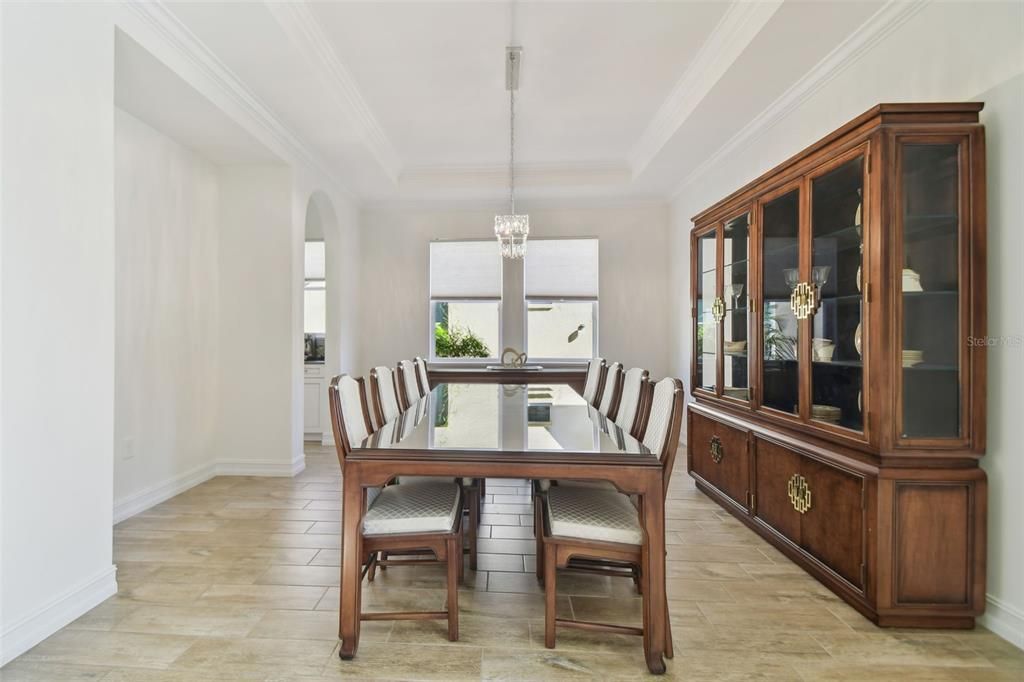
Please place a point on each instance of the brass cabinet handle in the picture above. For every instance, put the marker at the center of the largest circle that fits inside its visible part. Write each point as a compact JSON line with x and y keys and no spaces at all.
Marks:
{"x":717,"y":453}
{"x":718,"y":309}
{"x":799,"y":493}
{"x":804,"y":300}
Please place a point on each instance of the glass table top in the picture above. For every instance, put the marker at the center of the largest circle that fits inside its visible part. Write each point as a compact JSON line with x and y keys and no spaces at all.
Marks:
{"x":533,"y":418}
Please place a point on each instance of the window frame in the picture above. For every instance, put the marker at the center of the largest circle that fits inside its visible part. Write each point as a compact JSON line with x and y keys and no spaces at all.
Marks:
{"x":595,"y":322}
{"x":432,"y":356}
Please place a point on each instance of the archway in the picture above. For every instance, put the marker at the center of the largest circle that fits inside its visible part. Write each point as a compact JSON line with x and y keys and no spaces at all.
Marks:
{"x":319,"y":316}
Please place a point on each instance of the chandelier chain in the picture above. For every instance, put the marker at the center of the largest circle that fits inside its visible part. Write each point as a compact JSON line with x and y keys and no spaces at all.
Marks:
{"x":512,"y":144}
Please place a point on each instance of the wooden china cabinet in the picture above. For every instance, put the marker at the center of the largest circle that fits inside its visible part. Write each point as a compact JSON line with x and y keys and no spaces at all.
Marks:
{"x":839,"y":395}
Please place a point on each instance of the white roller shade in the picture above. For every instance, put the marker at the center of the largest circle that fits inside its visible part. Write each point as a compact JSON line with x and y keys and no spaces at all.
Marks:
{"x":465,"y":270}
{"x":562,"y":268}
{"x":316,"y":261}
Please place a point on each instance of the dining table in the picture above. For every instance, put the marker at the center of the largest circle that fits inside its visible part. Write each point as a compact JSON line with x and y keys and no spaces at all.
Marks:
{"x":539,"y":430}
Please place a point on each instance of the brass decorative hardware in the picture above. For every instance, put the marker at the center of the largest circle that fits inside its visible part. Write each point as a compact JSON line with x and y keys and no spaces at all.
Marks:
{"x":799,"y":493}
{"x":717,"y":453}
{"x":804,"y":300}
{"x":718,"y":309}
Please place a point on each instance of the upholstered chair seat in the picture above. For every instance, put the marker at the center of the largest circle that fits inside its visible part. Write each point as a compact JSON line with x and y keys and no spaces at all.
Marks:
{"x":423,"y":507}
{"x":592,"y":514}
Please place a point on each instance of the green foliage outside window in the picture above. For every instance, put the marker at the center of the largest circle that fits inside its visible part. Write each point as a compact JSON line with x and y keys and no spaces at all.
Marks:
{"x":455,"y":341}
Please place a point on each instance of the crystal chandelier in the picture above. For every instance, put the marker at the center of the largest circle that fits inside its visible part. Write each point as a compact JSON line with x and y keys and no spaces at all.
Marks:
{"x":512,"y":230}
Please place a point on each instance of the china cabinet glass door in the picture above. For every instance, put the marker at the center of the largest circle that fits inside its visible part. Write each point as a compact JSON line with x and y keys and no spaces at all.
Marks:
{"x":837,"y":349}
{"x":735,"y":291}
{"x":780,"y":329}
{"x":707,"y":302}
{"x":932,"y":330}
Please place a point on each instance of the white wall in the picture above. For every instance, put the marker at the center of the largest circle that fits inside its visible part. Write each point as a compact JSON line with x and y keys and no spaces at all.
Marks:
{"x":58,"y":317}
{"x":946,"y":52}
{"x":634,"y":277}
{"x":167,"y":310}
{"x":1004,"y":131}
{"x":260,"y":342}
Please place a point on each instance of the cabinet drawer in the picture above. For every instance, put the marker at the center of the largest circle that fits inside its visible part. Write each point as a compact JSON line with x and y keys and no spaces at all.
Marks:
{"x":817,"y":506}
{"x":718,"y":454}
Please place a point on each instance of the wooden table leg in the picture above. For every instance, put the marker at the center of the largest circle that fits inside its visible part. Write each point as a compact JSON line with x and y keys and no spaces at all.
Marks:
{"x":351,"y":553}
{"x":654,"y":566}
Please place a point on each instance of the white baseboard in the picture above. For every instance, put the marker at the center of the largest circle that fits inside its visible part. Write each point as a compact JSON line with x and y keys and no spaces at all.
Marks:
{"x":1004,"y":620}
{"x":251,"y":467}
{"x":57,"y":613}
{"x":155,"y":494}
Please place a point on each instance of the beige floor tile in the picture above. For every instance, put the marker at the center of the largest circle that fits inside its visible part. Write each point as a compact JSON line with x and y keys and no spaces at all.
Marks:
{"x":265,"y":596}
{"x":113,"y":649}
{"x":525,"y":583}
{"x":190,"y":621}
{"x":509,"y":605}
{"x":231,"y":658}
{"x":500,"y":562}
{"x":159,"y":593}
{"x":206,"y":574}
{"x":378,"y":660}
{"x":104,"y":616}
{"x":883,"y":648}
{"x":512,"y":532}
{"x":562,"y":664}
{"x":327,"y":557}
{"x":23,"y":670}
{"x":473,"y":631}
{"x":277,"y":624}
{"x":806,"y":617}
{"x":325,"y":576}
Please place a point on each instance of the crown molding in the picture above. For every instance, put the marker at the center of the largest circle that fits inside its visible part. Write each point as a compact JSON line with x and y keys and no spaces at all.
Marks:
{"x":584,"y":174}
{"x":736,"y":29}
{"x":306,"y":34}
{"x":156,"y":16}
{"x":574,"y":202}
{"x":880,"y":24}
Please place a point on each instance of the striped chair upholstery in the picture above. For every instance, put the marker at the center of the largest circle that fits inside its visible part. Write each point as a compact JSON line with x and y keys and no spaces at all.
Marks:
{"x":629,"y":402}
{"x":421,"y":367}
{"x":610,"y":394}
{"x":592,"y":387}
{"x":385,"y":397}
{"x":410,"y":381}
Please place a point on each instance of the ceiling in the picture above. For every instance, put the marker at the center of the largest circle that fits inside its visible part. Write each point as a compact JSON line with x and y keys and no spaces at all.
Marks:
{"x":406,"y":100}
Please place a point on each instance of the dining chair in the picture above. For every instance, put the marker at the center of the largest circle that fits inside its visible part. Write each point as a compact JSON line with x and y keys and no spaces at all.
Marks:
{"x":385,"y":395}
{"x":632,"y":395}
{"x":603,"y":525}
{"x":406,"y":374}
{"x":400,"y":519}
{"x":612,"y":390}
{"x":408,"y":383}
{"x":595,"y":381}
{"x":421,"y":368}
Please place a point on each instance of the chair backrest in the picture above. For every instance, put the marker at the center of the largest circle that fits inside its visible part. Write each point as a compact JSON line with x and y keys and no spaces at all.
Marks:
{"x":634,"y":385}
{"x":421,"y":368}
{"x":595,"y":381}
{"x":385,"y":396}
{"x":409,"y":383}
{"x":664,"y":422}
{"x":612,"y":390}
{"x":350,"y":419}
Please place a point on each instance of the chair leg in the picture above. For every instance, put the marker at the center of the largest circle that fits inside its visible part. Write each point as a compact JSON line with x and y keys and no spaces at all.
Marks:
{"x":371,"y":573}
{"x":538,"y":534}
{"x":383,"y":557}
{"x":455,"y":560}
{"x":474,"y":523}
{"x":669,"y":650}
{"x":550,"y":597}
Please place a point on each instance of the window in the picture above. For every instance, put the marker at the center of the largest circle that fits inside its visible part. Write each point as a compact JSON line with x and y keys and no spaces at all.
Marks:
{"x":314,"y":320}
{"x":561,"y":299}
{"x":465,"y":300}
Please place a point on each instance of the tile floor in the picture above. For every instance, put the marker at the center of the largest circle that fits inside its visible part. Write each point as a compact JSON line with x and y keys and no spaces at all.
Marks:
{"x":237,"y":579}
